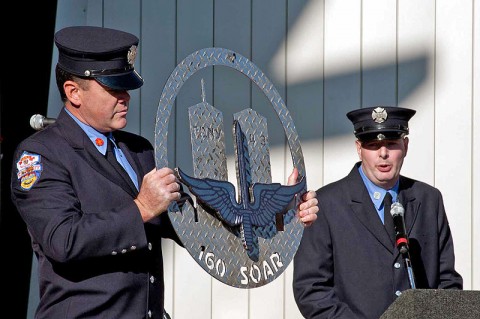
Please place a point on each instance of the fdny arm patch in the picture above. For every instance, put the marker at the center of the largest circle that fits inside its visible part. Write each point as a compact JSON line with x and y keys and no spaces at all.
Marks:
{"x":29,"y":169}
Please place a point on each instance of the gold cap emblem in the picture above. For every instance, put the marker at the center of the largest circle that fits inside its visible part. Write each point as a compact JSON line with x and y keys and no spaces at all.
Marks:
{"x":379,"y":115}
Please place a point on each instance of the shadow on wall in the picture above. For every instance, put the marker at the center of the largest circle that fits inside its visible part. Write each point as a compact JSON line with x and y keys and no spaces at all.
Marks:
{"x":413,"y":73}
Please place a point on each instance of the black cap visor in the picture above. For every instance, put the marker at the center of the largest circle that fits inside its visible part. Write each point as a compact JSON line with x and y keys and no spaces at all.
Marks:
{"x":127,"y":81}
{"x":380,"y":135}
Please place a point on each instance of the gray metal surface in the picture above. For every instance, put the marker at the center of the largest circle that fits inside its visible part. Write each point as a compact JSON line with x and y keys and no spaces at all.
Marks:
{"x":217,"y":248}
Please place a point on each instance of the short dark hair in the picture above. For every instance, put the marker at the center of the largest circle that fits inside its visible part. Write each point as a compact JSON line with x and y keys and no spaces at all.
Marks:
{"x":62,"y":76}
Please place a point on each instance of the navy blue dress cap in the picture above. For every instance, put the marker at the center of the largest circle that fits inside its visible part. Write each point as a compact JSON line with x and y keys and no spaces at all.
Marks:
{"x":106,"y":55}
{"x":380,"y":122}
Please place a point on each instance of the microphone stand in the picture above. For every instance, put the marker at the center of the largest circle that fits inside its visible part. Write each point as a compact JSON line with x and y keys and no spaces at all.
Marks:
{"x":408,"y":265}
{"x":402,"y":245}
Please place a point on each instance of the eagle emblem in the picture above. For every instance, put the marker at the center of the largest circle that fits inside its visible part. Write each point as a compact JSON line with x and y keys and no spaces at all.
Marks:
{"x":258,"y":205}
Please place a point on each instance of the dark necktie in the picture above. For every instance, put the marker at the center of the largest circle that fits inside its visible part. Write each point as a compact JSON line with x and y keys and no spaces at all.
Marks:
{"x":388,"y":219}
{"x":112,"y":159}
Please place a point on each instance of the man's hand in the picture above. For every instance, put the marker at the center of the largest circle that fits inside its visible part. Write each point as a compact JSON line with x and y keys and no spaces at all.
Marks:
{"x":308,"y":209}
{"x":159,"y":188}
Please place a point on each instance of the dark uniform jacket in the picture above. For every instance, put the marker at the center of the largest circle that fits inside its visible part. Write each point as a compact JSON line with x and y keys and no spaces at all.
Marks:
{"x":347,"y":266}
{"x":96,"y":257}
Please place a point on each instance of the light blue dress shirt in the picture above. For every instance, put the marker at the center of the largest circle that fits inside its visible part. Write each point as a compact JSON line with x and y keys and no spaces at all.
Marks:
{"x":377,"y":193}
{"x":93,"y":135}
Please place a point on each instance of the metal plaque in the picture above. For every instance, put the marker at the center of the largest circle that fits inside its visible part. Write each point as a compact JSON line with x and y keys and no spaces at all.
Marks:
{"x":245,"y":240}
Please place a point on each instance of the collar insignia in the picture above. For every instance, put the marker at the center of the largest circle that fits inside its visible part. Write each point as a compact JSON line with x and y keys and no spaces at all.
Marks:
{"x":99,"y":141}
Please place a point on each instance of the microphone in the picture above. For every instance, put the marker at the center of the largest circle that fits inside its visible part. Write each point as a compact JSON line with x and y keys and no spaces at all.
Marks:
{"x":401,"y":240}
{"x":39,"y":122}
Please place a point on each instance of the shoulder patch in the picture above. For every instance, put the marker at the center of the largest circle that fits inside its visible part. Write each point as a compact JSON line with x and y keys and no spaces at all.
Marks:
{"x":29,"y":169}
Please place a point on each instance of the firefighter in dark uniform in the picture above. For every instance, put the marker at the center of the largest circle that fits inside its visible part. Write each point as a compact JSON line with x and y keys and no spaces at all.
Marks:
{"x":347,"y":265}
{"x":96,"y":227}
{"x":90,"y":194}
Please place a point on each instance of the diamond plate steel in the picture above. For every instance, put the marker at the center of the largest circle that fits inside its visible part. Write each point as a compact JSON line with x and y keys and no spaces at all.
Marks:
{"x":215,"y":246}
{"x":208,"y":142}
{"x":255,"y":128}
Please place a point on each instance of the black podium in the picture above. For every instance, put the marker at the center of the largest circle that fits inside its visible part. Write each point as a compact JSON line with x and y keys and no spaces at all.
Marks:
{"x":435,"y":304}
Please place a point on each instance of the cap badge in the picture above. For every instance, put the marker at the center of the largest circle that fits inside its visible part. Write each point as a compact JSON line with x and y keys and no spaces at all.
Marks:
{"x":132,"y":53}
{"x":379,"y":115}
{"x":380,"y":137}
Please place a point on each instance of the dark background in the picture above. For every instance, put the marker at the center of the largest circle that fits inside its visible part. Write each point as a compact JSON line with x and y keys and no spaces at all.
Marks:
{"x":27,"y":44}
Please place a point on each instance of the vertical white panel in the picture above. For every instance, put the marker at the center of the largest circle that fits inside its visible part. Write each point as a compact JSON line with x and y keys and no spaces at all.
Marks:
{"x":268,"y":32}
{"x":157,"y":54}
{"x":114,"y":15}
{"x":68,"y":14}
{"x":303,"y":48}
{"x":379,"y":52}
{"x":192,"y":291}
{"x":231,"y":94}
{"x":416,"y":86}
{"x":342,"y":45}
{"x":94,"y":13}
{"x":453,"y":121}
{"x":475,"y":266}
{"x":303,"y":52}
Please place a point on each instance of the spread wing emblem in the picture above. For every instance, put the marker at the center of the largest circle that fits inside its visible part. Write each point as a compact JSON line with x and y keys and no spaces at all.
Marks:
{"x":266,"y":200}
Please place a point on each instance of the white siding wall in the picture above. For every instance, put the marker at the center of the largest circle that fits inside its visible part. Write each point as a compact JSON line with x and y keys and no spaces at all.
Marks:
{"x":325,"y":57}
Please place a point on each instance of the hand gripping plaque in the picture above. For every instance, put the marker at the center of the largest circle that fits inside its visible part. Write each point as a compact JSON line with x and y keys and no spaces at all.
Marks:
{"x":246,"y":242}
